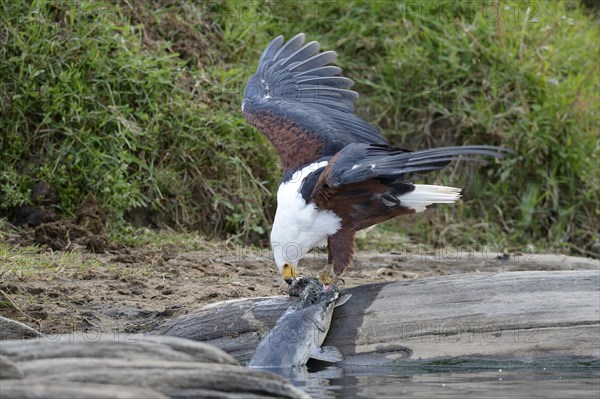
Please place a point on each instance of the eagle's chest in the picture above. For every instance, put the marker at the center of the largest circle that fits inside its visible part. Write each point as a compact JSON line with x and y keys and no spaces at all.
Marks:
{"x":297,"y":221}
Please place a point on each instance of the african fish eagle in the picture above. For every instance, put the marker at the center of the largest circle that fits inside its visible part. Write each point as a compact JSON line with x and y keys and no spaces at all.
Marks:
{"x":340,"y":174}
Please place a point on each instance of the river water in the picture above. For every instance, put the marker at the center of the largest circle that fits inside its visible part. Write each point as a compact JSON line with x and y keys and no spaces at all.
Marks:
{"x":447,"y":382}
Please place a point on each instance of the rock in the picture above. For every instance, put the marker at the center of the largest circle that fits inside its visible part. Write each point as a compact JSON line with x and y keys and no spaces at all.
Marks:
{"x":33,"y":216}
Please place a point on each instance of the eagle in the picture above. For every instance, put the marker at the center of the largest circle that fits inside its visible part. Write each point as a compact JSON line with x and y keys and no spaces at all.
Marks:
{"x":340,"y":175}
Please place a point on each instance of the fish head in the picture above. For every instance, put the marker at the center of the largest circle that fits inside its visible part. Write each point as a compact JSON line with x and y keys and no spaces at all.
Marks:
{"x":304,"y":284}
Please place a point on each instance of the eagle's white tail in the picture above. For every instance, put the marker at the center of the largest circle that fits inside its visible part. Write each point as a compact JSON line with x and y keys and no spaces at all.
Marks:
{"x":424,"y":195}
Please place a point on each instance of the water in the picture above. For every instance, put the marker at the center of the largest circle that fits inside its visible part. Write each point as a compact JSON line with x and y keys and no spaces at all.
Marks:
{"x":446,"y":382}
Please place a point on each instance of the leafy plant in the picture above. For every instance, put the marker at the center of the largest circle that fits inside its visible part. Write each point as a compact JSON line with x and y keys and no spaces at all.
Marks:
{"x":138,"y":103}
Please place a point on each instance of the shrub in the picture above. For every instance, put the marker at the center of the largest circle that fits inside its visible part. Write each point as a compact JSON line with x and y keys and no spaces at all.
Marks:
{"x":138,"y":102}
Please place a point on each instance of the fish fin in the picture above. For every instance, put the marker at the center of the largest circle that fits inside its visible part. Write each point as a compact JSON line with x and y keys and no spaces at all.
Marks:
{"x":329,"y":354}
{"x":342,"y":300}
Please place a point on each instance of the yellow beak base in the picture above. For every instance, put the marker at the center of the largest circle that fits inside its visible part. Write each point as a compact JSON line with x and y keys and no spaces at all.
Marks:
{"x":289,"y":273}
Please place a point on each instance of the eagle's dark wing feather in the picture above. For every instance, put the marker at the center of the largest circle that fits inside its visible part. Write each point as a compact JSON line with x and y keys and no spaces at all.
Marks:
{"x":301,"y":105}
{"x":364,"y":183}
{"x":360,"y":162}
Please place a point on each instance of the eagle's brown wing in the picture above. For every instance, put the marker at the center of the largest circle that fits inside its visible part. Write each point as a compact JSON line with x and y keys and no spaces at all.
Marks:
{"x":298,"y":101}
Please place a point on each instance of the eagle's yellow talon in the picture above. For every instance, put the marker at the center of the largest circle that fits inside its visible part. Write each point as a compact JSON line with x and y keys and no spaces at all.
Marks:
{"x":334,"y":280}
{"x":325,"y":276}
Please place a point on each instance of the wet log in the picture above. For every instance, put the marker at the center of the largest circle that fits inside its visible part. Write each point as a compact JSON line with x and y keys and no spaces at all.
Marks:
{"x":168,"y":377}
{"x":525,"y":316}
{"x":73,"y":365}
{"x":27,"y":389}
{"x":114,"y":346}
{"x":12,"y":329}
{"x":9,"y":370}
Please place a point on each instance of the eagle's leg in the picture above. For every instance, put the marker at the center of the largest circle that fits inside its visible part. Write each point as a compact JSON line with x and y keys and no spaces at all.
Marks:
{"x":341,"y":252}
{"x":325,"y":275}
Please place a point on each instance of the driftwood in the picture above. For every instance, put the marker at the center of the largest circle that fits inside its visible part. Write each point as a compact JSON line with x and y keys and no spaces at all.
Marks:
{"x":27,"y":389}
{"x":114,"y":346}
{"x":130,"y":366}
{"x":523,"y":316}
{"x":12,"y":329}
{"x":461,"y":260}
{"x":9,"y":370}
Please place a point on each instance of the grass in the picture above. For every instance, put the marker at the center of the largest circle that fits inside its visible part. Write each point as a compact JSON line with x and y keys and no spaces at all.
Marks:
{"x":25,"y":262}
{"x":88,"y":107}
{"x":138,"y":103}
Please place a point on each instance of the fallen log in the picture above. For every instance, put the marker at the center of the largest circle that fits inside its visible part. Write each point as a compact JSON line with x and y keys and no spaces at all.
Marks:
{"x":73,"y":365}
{"x":114,"y":346}
{"x":12,"y":329}
{"x":526,"y":316}
{"x":27,"y":389}
{"x":9,"y":370}
{"x":170,"y":378}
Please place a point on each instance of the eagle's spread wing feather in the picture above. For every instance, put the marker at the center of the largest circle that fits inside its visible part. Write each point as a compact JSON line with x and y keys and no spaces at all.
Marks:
{"x":359,"y":162}
{"x":301,"y":105}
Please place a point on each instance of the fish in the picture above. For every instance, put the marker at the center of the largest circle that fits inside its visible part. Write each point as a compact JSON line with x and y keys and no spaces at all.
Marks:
{"x":298,"y":335}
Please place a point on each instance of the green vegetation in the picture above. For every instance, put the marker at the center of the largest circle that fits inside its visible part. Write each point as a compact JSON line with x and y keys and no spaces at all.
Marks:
{"x":90,"y":105}
{"x":138,"y":103}
{"x":31,"y":260}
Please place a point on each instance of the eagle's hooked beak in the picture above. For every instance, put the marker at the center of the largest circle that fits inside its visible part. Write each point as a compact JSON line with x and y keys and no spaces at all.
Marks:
{"x":289,"y":273}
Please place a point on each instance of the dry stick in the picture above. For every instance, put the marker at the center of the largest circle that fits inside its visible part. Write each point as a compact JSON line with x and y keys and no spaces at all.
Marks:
{"x":586,"y":251}
{"x":18,"y":309}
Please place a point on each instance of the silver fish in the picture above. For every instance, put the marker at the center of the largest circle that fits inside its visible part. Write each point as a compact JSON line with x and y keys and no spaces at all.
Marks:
{"x":299,"y":334}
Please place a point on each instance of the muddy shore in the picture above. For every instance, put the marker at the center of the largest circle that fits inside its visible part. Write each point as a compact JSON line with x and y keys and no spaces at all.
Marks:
{"x":134,"y":290}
